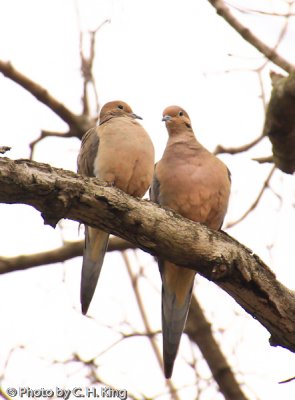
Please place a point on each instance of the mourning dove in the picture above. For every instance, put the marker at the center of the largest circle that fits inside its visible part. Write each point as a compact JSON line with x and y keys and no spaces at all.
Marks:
{"x":118,"y":151}
{"x":196,"y":184}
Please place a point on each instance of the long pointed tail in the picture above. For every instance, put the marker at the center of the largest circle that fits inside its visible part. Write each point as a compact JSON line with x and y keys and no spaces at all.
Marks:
{"x":176,"y":296}
{"x":96,"y":243}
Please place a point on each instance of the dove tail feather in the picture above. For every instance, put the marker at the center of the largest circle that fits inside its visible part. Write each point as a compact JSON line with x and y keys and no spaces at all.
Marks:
{"x":173,"y":322}
{"x":96,"y":243}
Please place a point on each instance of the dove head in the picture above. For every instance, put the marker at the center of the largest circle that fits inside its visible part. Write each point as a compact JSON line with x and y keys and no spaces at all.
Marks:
{"x":114,"y":109}
{"x":176,"y":119}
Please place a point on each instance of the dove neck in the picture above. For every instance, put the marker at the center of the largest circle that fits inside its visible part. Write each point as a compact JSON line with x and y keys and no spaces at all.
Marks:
{"x":185,"y":137}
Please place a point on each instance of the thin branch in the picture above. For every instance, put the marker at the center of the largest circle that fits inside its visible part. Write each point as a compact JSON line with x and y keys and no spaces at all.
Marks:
{"x":91,"y":60}
{"x":134,"y":282}
{"x":263,"y":160}
{"x":280,"y":37}
{"x":262,"y":95}
{"x":255,"y":203}
{"x":141,"y":334}
{"x":287,"y":380}
{"x":57,"y":194}
{"x":234,"y":150}
{"x":87,"y":65}
{"x":267,"y":51}
{"x":64,"y":253}
{"x":44,"y":134}
{"x":261,"y":12}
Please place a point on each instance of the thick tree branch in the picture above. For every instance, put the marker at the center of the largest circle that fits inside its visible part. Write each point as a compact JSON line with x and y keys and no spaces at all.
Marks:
{"x":246,"y":34}
{"x":218,"y":257}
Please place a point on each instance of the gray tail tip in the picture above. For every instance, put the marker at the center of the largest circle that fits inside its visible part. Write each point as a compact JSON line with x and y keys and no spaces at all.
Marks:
{"x":84,"y":308}
{"x":168,"y":369}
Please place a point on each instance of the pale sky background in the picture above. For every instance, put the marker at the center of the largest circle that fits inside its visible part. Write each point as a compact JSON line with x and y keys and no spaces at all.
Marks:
{"x":152,"y":54}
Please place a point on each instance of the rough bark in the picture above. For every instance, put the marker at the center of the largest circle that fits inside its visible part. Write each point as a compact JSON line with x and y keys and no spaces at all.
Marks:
{"x":60,"y":194}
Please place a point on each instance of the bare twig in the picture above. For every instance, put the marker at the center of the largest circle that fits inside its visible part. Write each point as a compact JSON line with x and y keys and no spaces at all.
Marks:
{"x":267,"y":51}
{"x":45,"y":134}
{"x":90,"y":61}
{"x":287,"y":380}
{"x":262,"y":95}
{"x":263,"y":160}
{"x":254,"y":205}
{"x":261,"y":12}
{"x":280,"y":37}
{"x":234,"y":150}
{"x":87,"y":64}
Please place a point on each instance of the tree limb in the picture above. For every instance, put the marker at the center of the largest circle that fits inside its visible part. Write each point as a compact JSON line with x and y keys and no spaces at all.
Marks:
{"x":67,"y":251}
{"x":57,"y":194}
{"x":246,"y":34}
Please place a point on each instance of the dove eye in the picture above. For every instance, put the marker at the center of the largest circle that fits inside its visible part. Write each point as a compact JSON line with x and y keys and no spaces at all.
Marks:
{"x":120,"y":106}
{"x":180,"y":113}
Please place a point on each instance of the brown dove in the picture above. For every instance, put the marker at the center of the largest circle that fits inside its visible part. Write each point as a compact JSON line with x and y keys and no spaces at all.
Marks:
{"x":196,"y":184}
{"x":120,"y":152}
